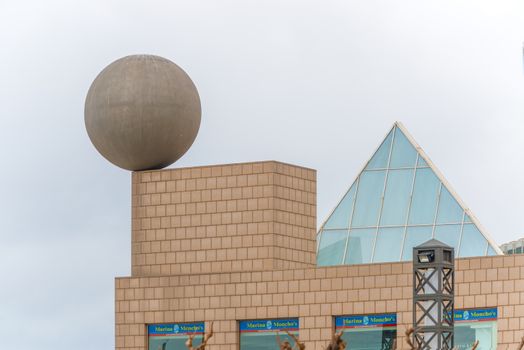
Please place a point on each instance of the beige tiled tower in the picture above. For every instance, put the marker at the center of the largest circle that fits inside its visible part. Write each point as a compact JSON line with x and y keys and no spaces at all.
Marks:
{"x":237,"y":217}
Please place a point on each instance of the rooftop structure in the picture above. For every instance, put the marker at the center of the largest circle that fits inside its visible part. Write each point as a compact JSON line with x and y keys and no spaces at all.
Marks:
{"x":513,"y":247}
{"x":398,"y":201}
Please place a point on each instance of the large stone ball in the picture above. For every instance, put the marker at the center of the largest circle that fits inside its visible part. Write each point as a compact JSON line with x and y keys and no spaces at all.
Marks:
{"x":142,"y":112}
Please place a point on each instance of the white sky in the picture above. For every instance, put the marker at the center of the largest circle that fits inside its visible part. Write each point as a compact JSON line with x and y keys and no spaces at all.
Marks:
{"x":317,"y":84}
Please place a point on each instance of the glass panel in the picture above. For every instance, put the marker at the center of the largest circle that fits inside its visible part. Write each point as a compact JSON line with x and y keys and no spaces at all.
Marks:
{"x":476,"y":325}
{"x":467,"y":218}
{"x":491,"y":251}
{"x":425,"y":193}
{"x":421,"y":162}
{"x":381,"y":156}
{"x":173,"y":336}
{"x":397,"y":197}
{"x":472,"y":243}
{"x":469,"y":332}
{"x":389,"y":241}
{"x":449,"y":234}
{"x":369,"y":195}
{"x":262,"y":334}
{"x":360,"y":246}
{"x":449,"y":211}
{"x":415,"y":236}
{"x":403,"y":153}
{"x":332,"y":246}
{"x":172,"y":342}
{"x":361,"y":332}
{"x":518,"y":250}
{"x":341,"y":216}
{"x":262,"y":341}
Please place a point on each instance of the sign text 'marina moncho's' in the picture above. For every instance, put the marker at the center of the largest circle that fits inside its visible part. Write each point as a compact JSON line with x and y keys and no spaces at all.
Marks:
{"x":383,"y":320}
{"x":290,"y":324}
{"x":171,"y":329}
{"x":475,"y":315}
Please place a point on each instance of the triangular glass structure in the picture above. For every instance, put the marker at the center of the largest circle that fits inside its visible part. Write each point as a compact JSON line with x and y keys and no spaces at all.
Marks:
{"x":398,"y":201}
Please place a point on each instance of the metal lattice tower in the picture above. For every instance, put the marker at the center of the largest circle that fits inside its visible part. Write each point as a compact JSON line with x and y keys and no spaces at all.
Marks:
{"x":433,"y":296}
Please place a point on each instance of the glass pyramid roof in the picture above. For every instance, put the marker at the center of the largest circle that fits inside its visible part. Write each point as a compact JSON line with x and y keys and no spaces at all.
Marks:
{"x":398,"y":201}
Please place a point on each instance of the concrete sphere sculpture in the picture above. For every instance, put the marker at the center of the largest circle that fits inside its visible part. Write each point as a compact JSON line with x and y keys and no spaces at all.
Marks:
{"x":142,"y":112}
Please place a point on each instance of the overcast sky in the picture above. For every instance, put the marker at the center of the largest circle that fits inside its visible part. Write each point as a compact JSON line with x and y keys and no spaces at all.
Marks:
{"x":314,"y":83}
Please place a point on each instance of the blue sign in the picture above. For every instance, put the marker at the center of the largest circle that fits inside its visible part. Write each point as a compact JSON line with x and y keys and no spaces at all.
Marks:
{"x":290,"y":324}
{"x":173,"y":329}
{"x":475,"y":315}
{"x":383,"y":320}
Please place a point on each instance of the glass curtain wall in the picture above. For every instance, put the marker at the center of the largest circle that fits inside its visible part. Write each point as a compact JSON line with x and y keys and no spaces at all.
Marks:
{"x":367,"y":332}
{"x":397,"y":202}
{"x":173,"y":336}
{"x":265,"y":334}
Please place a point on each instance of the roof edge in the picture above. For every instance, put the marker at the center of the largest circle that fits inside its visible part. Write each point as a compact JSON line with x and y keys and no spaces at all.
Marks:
{"x":450,"y":188}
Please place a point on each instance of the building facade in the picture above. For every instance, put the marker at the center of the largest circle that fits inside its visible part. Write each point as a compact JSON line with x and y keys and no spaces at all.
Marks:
{"x":236,"y":245}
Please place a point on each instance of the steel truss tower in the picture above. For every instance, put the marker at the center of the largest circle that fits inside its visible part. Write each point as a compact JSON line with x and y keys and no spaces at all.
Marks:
{"x":433,"y":296}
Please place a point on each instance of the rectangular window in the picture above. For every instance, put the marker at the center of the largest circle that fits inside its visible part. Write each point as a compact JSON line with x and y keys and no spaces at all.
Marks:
{"x":365,"y":332}
{"x":263,"y":334}
{"x":476,"y":324}
{"x":173,"y":336}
